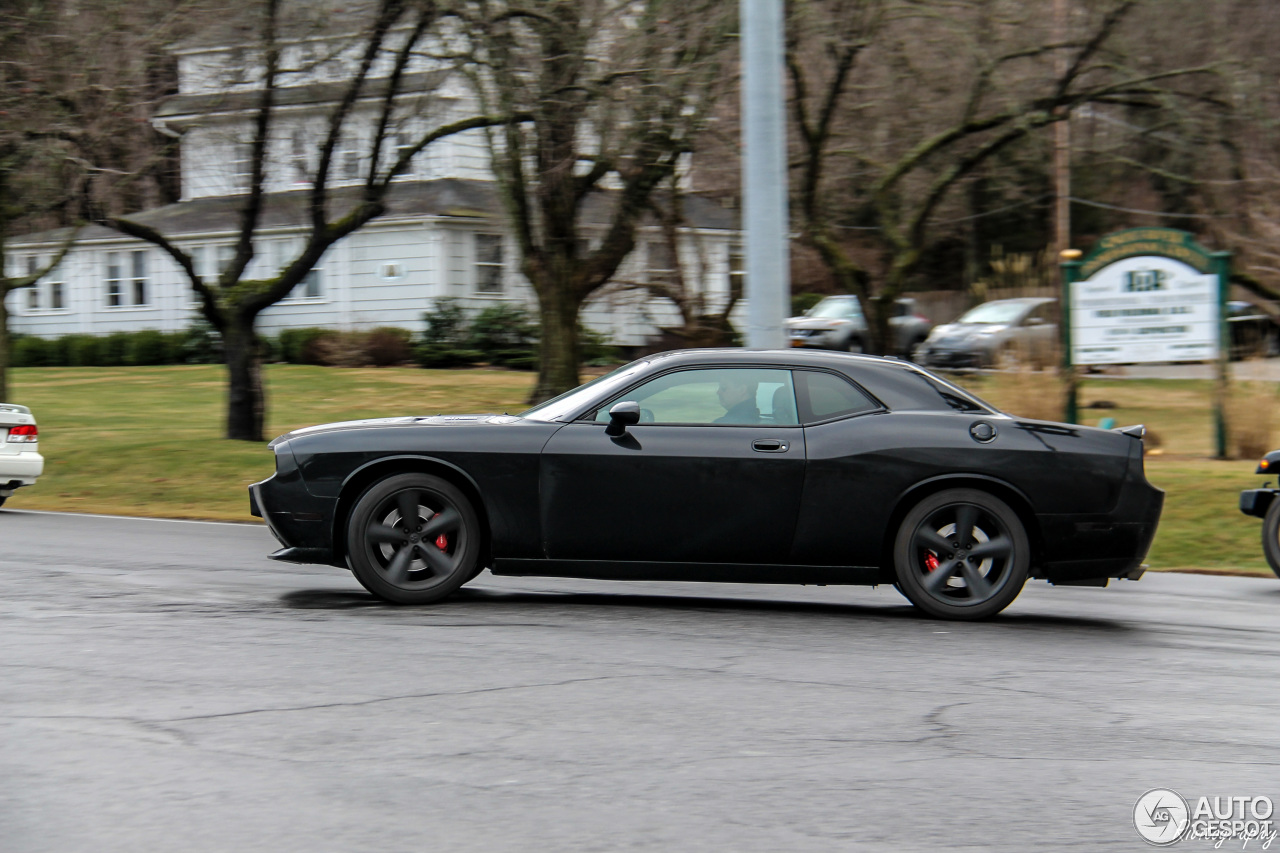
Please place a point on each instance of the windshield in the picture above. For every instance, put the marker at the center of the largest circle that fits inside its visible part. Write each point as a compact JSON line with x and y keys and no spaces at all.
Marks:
{"x":571,"y":401}
{"x":837,"y":308}
{"x":995,"y":312}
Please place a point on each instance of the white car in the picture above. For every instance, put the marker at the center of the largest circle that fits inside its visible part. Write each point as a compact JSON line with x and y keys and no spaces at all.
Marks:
{"x":20,"y":459}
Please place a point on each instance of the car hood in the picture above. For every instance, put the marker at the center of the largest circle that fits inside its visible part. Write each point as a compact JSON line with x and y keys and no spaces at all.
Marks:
{"x":963,"y":331}
{"x":432,"y":420}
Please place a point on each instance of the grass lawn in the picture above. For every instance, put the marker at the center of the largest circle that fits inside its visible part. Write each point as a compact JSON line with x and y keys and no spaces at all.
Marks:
{"x":146,"y":441}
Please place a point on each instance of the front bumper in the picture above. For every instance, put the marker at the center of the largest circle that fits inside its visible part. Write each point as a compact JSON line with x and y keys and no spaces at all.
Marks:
{"x":935,"y":356}
{"x":300,"y":521}
{"x":1256,"y":502}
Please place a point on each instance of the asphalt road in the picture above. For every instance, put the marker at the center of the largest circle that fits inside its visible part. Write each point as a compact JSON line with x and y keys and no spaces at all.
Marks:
{"x":163,"y":686}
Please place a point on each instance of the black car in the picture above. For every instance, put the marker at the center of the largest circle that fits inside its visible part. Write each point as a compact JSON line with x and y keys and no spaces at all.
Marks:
{"x":1253,"y":333}
{"x":1263,"y":504}
{"x":801,"y":467}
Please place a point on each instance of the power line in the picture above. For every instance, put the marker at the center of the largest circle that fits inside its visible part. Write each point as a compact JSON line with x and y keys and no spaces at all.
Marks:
{"x":1088,"y":203}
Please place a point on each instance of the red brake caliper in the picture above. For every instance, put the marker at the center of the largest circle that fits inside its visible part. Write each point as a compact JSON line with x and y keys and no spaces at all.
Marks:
{"x":930,"y":561}
{"x":442,"y":541}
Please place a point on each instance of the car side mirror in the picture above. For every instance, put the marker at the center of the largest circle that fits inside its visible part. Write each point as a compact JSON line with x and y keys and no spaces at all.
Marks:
{"x":621,"y":416}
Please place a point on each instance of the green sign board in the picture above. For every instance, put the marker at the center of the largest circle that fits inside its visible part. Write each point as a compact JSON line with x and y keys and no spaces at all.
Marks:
{"x":1142,"y":296}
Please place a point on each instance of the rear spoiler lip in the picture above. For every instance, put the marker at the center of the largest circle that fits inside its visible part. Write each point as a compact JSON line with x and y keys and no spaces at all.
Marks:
{"x":1137,"y":430}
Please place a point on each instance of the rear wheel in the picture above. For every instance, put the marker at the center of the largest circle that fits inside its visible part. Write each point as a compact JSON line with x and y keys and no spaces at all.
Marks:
{"x":1271,"y":536}
{"x":413,"y":539}
{"x":961,"y":554}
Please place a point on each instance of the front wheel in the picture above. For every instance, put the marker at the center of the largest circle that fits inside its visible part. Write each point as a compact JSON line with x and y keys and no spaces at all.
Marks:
{"x":413,"y":539}
{"x":1271,"y":536}
{"x":961,"y":554}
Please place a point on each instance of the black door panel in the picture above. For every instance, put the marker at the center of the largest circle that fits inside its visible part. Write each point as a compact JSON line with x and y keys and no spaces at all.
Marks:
{"x":705,"y":493}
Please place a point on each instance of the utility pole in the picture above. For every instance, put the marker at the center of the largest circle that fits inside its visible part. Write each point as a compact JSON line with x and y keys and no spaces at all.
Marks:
{"x":1061,"y":140}
{"x":764,"y":173}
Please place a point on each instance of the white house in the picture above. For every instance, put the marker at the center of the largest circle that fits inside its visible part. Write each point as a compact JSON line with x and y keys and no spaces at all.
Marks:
{"x":443,"y":235}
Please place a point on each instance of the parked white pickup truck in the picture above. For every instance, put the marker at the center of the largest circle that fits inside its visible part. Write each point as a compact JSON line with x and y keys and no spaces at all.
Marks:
{"x":20,"y":459}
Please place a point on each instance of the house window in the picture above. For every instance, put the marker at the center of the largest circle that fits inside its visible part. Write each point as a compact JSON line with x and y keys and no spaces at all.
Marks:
{"x":115,"y":281}
{"x":33,"y":293}
{"x":140,"y":278}
{"x":349,"y":160}
{"x":488,"y":263}
{"x":737,"y":273}
{"x":56,"y":302}
{"x":662,"y":263}
{"x":403,"y":143}
{"x":242,"y":166}
{"x":391,"y":271}
{"x":309,"y":287}
{"x":298,"y":157}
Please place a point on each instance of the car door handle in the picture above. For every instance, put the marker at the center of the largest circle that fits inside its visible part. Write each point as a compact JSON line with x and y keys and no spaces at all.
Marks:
{"x":769,"y":445}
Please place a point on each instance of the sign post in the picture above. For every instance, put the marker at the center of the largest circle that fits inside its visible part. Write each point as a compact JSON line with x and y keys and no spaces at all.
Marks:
{"x":1142,"y":296}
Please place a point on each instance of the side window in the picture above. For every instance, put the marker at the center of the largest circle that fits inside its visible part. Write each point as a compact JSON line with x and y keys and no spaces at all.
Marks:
{"x":824,"y":396}
{"x":729,"y":395}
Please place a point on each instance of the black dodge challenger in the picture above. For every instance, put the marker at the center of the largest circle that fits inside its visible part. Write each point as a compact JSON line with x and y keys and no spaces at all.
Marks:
{"x":723,"y":465}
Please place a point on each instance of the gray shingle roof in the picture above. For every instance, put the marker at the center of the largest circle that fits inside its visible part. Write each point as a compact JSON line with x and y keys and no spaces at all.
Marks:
{"x":410,"y":199}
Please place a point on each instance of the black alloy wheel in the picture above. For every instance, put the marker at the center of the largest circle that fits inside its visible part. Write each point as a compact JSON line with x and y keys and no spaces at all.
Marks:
{"x":961,"y":554}
{"x":1271,"y":536}
{"x":413,"y":539}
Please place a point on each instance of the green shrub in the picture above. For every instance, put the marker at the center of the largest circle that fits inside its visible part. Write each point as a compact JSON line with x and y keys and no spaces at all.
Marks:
{"x":147,"y":347}
{"x":115,"y":350}
{"x":504,"y":335}
{"x":201,"y":343}
{"x":84,"y":350}
{"x":29,"y":351}
{"x":445,"y":355}
{"x":298,"y":346}
{"x":594,"y":347}
{"x":445,"y":323}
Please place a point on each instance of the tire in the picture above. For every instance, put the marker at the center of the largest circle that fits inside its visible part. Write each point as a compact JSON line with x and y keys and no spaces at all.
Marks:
{"x":995,"y":555}
{"x":1271,"y":536}
{"x":420,"y":562}
{"x":855,"y":345}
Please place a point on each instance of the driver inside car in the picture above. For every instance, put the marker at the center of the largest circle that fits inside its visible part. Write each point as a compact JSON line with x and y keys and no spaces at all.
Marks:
{"x":738,"y":396}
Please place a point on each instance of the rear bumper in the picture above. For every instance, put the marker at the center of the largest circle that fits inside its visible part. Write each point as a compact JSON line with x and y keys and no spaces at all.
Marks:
{"x":19,"y":469}
{"x":1111,"y":545}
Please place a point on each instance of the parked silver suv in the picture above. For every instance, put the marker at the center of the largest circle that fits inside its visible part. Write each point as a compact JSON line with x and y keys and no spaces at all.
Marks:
{"x":995,"y":333}
{"x":20,"y":459}
{"x":837,"y":322}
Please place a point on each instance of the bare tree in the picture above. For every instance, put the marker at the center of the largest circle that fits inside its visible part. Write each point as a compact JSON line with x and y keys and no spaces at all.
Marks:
{"x":393,"y":35}
{"x":1005,"y":95}
{"x":616,"y":92}
{"x":683,"y":279}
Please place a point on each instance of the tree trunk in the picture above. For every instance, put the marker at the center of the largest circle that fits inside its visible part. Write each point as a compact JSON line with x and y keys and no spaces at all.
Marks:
{"x":558,"y":348}
{"x":246,"y":403}
{"x":4,"y":346}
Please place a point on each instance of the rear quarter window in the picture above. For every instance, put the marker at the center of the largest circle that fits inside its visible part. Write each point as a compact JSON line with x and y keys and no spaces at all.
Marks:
{"x":903,"y":388}
{"x":823,"y":396}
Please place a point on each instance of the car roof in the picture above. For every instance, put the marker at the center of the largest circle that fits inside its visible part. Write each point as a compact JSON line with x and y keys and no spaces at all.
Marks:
{"x":1022,"y":300}
{"x":741,"y":355}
